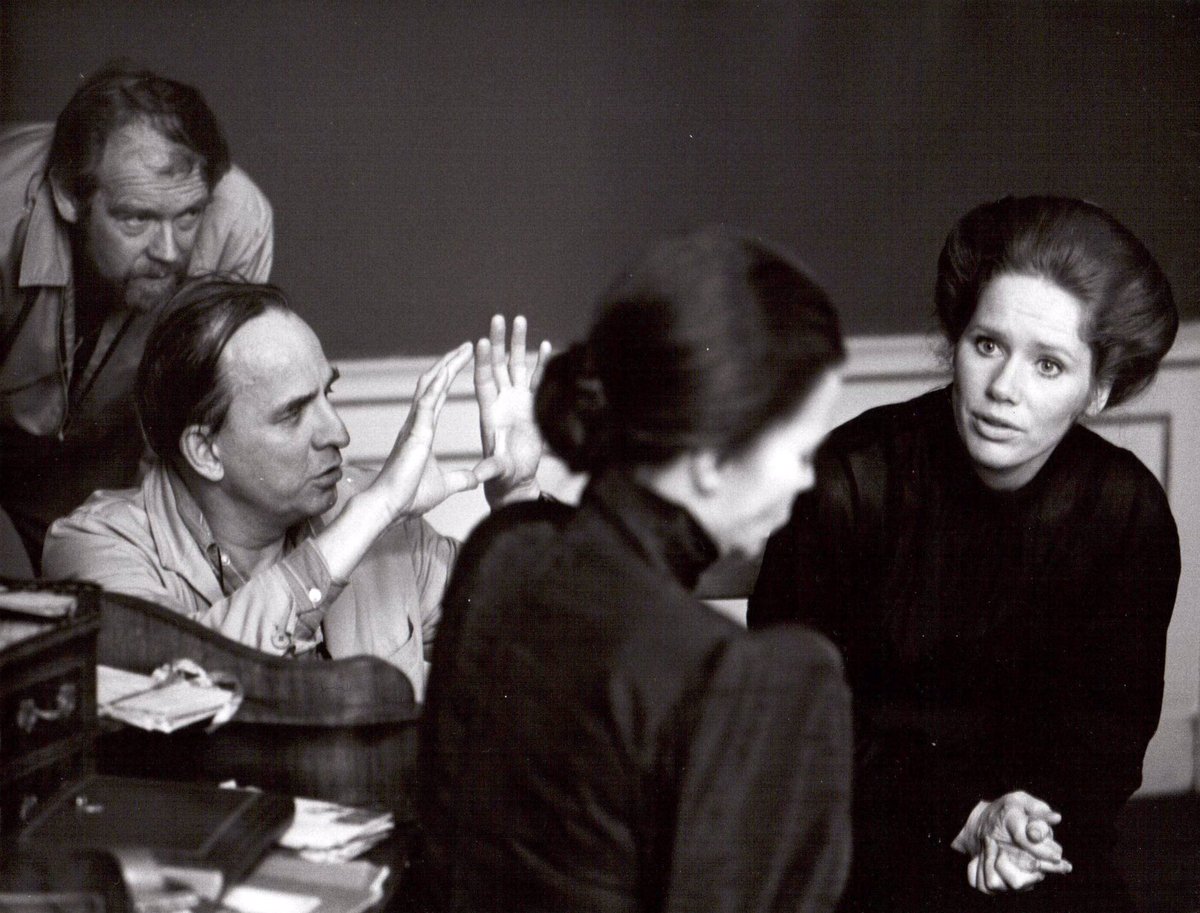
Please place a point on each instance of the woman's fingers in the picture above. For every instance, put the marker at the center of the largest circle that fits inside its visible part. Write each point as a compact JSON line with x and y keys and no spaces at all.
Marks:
{"x":991,"y":855}
{"x":1019,"y":870}
{"x":1037,"y":830}
{"x":1037,"y":838}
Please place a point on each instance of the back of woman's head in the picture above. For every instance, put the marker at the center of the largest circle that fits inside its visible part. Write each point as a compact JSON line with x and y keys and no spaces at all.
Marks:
{"x":1130,"y":318}
{"x":703,"y":344}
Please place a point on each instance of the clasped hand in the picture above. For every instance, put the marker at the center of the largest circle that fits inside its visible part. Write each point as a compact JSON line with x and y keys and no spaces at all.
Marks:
{"x":412,"y":478}
{"x":1011,"y":844}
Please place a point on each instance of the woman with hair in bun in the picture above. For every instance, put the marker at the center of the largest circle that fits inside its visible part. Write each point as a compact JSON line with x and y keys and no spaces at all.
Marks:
{"x":595,"y":737}
{"x":999,"y":578}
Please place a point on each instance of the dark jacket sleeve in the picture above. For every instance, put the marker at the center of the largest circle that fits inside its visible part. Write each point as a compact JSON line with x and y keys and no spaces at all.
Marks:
{"x":1112,"y":681}
{"x":763,"y":815}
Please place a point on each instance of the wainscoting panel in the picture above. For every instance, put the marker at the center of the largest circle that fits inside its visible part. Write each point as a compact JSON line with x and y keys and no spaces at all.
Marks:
{"x":1162,"y":427}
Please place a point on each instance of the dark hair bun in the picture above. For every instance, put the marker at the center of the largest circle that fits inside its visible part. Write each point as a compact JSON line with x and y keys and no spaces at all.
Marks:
{"x":572,"y":410}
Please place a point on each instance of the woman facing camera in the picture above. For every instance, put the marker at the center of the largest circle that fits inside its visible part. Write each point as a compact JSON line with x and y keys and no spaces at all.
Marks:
{"x":999,"y":578}
{"x":595,"y":737}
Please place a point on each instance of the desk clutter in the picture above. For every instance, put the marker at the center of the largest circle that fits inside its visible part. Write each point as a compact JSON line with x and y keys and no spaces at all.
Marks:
{"x":195,"y":846}
{"x":77,"y":839}
{"x":175,"y":695}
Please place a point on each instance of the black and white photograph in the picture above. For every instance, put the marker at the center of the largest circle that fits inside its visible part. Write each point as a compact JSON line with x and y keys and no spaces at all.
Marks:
{"x":534,"y":456}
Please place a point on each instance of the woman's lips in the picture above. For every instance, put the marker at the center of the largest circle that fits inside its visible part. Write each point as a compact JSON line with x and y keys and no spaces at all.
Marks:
{"x":993,"y":427}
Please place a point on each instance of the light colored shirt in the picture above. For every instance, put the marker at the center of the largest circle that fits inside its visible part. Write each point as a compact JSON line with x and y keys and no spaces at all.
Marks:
{"x":62,"y":437}
{"x":153,"y":542}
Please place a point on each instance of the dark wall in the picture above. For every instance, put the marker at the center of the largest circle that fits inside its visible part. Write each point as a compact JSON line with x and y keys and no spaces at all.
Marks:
{"x":432,"y":163}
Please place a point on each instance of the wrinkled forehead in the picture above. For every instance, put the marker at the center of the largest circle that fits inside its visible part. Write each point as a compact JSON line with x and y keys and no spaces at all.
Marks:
{"x":138,"y":152}
{"x":274,"y":356}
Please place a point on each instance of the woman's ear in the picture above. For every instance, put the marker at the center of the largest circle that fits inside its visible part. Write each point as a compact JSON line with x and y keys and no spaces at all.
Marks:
{"x":68,"y":207}
{"x":704,"y":470}
{"x":1100,"y":391}
{"x":199,"y":448}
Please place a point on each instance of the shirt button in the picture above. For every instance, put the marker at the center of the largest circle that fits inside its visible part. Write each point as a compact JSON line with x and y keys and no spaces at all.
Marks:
{"x":314,"y":595}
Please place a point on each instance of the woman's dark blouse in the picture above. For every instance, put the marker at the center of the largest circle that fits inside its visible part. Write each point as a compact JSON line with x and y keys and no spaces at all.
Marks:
{"x":597,"y":739}
{"x":994,"y":641}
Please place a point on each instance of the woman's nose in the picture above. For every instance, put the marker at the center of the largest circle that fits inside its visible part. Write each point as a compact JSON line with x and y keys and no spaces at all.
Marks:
{"x":1005,"y":384}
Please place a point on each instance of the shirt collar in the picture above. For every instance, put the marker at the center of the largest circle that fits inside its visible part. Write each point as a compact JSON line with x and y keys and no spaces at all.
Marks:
{"x":663,"y":531}
{"x":46,"y":252}
{"x":194,"y":522}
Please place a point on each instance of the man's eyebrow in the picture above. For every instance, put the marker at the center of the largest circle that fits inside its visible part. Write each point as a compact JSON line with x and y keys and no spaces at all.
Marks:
{"x":295,"y":404}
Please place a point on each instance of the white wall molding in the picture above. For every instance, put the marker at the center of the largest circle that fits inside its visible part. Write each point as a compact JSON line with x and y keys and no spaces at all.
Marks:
{"x":1162,"y":427}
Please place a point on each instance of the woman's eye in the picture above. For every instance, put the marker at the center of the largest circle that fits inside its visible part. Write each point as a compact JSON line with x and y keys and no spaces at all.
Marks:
{"x":1048,"y":367}
{"x":985,"y":346}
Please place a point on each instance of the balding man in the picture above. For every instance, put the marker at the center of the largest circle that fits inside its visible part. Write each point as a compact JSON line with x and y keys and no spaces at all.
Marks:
{"x":250,"y":523}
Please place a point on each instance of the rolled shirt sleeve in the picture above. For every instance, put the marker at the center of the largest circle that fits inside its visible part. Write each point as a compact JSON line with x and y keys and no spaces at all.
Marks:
{"x":277,"y":611}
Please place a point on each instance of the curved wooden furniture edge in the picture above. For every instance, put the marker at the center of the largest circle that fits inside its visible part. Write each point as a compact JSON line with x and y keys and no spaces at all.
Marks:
{"x":139,"y":635}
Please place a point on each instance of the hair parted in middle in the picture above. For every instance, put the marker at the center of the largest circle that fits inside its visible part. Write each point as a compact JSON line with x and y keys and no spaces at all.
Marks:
{"x":1130,"y":318}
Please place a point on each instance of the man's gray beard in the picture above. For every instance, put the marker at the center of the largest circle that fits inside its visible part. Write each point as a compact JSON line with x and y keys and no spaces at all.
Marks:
{"x":137,"y":297}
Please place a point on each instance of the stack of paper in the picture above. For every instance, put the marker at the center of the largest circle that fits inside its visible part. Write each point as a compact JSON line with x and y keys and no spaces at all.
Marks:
{"x":283,"y":884}
{"x":328,"y":832}
{"x":156,"y":704}
{"x":27,"y":613}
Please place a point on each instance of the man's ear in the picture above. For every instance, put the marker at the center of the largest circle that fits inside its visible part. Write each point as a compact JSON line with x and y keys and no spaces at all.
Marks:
{"x":199,"y":448}
{"x":1099,"y":400}
{"x":704,"y":470}
{"x":69,"y":209}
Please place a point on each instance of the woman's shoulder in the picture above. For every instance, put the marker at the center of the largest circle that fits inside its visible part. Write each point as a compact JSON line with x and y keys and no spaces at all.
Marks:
{"x":881,"y":428}
{"x":1115,"y":472}
{"x":515,"y":533}
{"x":788,"y":650}
{"x":1125,"y":495}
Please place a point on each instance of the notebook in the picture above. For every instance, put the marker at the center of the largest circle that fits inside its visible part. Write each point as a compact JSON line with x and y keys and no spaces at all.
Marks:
{"x":199,"y":834}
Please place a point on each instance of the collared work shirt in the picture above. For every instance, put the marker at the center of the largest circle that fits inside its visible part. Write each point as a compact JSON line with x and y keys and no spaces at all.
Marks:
{"x":61,"y":436}
{"x":153,"y":542}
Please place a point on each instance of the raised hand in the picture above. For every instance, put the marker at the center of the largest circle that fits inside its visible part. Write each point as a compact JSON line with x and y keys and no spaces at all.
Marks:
{"x":504,"y":389}
{"x":411,"y":482}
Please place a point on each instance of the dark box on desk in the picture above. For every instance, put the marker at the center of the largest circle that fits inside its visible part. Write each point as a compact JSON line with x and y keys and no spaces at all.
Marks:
{"x":202,"y":834}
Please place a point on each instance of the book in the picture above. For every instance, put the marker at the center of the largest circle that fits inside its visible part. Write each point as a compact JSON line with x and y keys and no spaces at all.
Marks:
{"x":199,"y":834}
